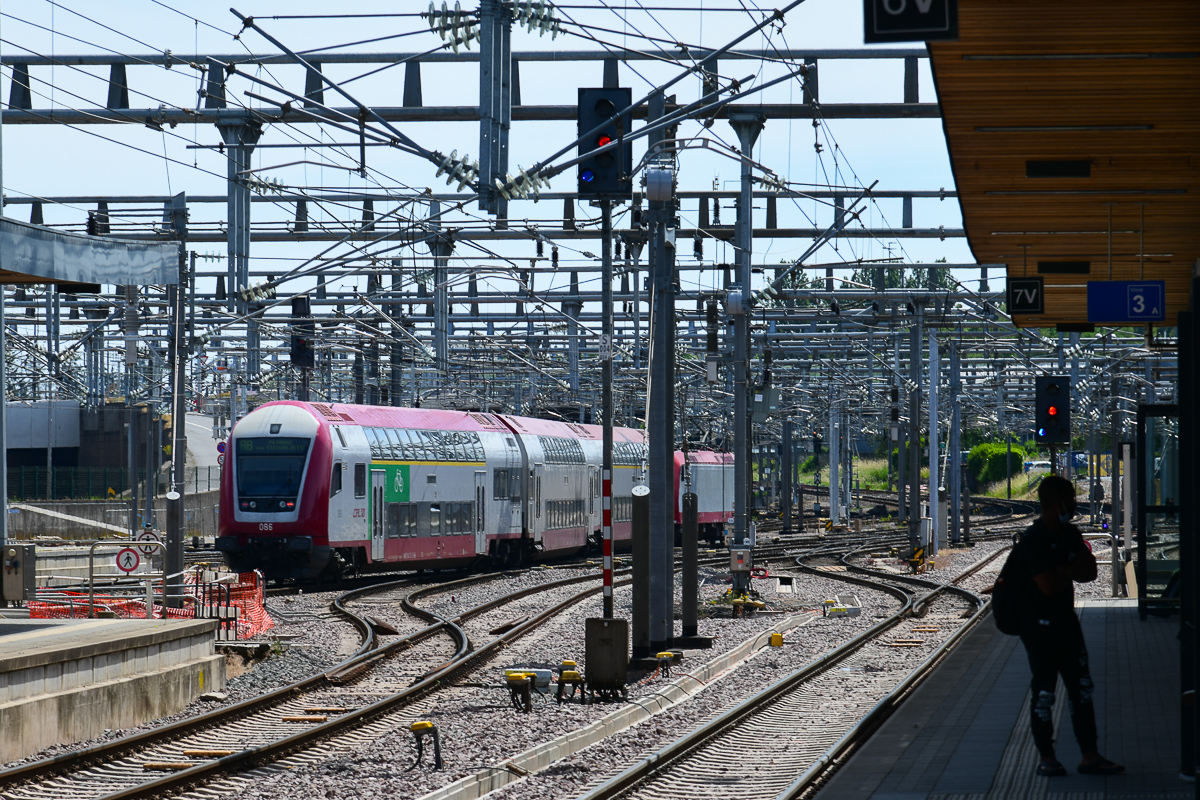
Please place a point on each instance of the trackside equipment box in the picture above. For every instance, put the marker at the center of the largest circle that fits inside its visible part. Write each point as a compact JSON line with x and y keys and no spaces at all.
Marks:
{"x":20,"y":572}
{"x":606,"y":646}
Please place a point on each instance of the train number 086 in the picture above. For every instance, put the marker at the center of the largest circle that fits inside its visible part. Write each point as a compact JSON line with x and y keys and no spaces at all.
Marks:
{"x":266,"y":526}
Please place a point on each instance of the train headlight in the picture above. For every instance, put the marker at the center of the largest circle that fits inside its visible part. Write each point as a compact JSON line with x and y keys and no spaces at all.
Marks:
{"x":253,"y":504}
{"x":283,"y":504}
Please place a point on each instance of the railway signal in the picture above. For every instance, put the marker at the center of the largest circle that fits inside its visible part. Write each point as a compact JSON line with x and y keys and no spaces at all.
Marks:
{"x":602,"y":124}
{"x":303,"y":331}
{"x":1052,"y":411}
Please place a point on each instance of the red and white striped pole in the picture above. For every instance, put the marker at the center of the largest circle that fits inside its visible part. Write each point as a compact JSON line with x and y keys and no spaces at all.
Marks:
{"x":606,"y":521}
{"x":606,"y":399}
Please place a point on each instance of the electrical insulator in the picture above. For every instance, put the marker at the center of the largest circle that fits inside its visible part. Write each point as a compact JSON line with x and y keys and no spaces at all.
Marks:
{"x":540,"y":249}
{"x":554,"y":257}
{"x":698,"y":247}
{"x":716,"y":220}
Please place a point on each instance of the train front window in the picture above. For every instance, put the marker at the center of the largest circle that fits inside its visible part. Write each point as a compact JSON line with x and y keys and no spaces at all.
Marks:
{"x":269,"y":472}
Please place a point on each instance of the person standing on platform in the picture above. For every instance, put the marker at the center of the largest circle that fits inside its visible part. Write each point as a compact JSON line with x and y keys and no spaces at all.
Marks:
{"x":1050,"y":556}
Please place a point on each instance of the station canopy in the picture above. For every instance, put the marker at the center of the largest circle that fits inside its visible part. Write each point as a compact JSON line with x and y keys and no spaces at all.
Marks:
{"x":1074,"y":136}
{"x":38,"y":254}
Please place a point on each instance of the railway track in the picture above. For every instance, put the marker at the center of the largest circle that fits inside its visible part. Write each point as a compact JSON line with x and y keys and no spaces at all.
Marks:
{"x":353,"y":701}
{"x":803,"y":723}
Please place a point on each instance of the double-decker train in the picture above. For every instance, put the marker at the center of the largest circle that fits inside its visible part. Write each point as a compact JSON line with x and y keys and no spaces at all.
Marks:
{"x":313,"y":489}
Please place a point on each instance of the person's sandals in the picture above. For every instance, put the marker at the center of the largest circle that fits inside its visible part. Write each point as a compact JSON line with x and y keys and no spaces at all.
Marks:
{"x":1051,"y":769}
{"x":1101,"y":767}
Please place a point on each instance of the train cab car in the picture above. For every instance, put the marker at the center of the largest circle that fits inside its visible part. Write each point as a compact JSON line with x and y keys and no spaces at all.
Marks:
{"x":275,"y":492}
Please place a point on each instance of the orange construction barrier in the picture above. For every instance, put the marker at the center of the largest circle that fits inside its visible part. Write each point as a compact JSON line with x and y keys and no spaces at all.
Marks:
{"x":240,"y":605}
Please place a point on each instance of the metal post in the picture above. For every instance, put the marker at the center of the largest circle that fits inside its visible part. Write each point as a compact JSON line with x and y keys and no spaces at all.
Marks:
{"x":660,"y":423}
{"x":131,"y":321}
{"x":606,"y":401}
{"x":173,"y":557}
{"x":240,"y":139}
{"x":955,"y":471}
{"x":1008,"y":464}
{"x":914,"y":435}
{"x":747,"y":127}
{"x":640,"y":534}
{"x":835,"y":464}
{"x":936,"y":490}
{"x":785,"y":477}
{"x":441,"y":247}
{"x":690,"y":595}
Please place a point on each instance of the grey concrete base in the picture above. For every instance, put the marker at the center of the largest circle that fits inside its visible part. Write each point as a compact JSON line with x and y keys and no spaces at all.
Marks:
{"x":74,"y":715}
{"x":63,"y":681}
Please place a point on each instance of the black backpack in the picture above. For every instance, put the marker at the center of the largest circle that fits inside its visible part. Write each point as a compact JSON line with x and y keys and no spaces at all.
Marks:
{"x":1007,"y":598}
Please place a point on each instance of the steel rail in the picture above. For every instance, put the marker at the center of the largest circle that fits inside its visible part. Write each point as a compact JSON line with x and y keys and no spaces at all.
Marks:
{"x":368,"y":652}
{"x":657,"y":762}
{"x":861,"y":730}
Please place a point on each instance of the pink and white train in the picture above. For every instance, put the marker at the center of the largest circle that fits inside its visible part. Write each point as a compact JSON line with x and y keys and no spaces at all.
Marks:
{"x":311,"y":489}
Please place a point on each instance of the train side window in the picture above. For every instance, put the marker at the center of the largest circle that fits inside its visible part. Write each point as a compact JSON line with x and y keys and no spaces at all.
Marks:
{"x":411,"y":523}
{"x":335,"y":479}
{"x":393,"y":520}
{"x":435,"y":520}
{"x":341,"y":436}
{"x":500,"y":484}
{"x":452,"y":512}
{"x":360,"y":480}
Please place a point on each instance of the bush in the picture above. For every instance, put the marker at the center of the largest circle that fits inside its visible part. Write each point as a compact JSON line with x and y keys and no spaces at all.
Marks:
{"x":985,"y":463}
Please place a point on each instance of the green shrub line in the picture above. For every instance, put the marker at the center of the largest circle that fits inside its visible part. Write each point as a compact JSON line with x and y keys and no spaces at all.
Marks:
{"x":985,"y":463}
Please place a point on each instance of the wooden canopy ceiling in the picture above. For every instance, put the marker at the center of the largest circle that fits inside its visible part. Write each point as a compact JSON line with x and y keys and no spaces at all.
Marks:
{"x":1059,"y":113}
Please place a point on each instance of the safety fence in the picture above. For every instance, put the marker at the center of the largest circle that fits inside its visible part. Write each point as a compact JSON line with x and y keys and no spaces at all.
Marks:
{"x":239,"y":607}
{"x":78,"y":483}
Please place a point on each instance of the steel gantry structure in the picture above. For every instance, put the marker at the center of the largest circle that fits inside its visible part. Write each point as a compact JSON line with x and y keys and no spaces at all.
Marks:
{"x":488,"y":295}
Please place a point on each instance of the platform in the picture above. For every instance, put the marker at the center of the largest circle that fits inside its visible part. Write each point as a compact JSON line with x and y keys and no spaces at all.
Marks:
{"x":69,"y":680}
{"x":964,"y":734}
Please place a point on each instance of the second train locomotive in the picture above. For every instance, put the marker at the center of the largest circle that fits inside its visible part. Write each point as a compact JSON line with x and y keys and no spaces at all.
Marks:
{"x":312,"y":488}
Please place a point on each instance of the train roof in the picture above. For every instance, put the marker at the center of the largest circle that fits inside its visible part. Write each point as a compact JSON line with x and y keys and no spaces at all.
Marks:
{"x":573,"y":430}
{"x":441,"y":419}
{"x":704,"y":457}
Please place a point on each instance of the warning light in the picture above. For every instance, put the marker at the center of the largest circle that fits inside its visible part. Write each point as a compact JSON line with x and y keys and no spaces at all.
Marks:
{"x":1052,"y":411}
{"x":587,"y":176}
{"x":603,"y":139}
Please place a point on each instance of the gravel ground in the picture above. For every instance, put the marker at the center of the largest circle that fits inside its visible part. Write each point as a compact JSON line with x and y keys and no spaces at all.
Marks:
{"x":478,"y":727}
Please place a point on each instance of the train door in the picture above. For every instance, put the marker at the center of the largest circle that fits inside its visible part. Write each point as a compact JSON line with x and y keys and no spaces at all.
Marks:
{"x":593,"y":491}
{"x":378,"y":512}
{"x":537,"y":493}
{"x":480,"y":516}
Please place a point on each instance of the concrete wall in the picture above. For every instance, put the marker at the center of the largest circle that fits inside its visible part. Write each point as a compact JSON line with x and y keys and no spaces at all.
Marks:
{"x":53,"y":696}
{"x":46,"y":422}
{"x":71,"y":520}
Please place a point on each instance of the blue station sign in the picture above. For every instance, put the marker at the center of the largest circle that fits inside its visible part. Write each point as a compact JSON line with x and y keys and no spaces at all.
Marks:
{"x":1126,"y":301}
